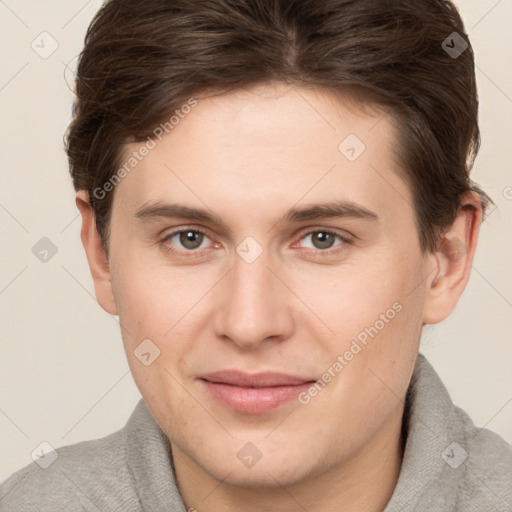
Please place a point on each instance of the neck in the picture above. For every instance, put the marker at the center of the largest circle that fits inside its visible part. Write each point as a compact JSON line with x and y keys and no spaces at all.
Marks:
{"x":363,"y":482}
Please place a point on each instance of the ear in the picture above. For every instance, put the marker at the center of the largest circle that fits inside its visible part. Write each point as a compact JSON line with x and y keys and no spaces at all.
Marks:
{"x":96,"y":256}
{"x":452,"y":260}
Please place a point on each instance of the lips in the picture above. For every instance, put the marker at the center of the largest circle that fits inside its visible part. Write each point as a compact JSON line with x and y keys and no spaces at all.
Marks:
{"x":253,"y":393}
{"x":255,"y":380}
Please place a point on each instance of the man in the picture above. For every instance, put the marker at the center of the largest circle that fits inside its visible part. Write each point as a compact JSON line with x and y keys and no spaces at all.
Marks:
{"x":275,"y":199}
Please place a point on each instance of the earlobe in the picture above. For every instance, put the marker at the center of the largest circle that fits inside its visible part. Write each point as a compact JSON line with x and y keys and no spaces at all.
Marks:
{"x":453,"y":260}
{"x":96,"y":256}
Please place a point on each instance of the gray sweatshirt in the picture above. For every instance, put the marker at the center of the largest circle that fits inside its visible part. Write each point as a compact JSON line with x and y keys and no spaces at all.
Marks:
{"x":449,"y":465}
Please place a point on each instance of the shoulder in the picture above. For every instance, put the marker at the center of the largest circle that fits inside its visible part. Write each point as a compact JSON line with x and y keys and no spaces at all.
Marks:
{"x":449,"y":463}
{"x":487,"y":464}
{"x":90,"y":475}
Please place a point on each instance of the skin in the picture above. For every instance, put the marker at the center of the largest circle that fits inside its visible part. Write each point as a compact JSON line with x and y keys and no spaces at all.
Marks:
{"x":248,"y":157}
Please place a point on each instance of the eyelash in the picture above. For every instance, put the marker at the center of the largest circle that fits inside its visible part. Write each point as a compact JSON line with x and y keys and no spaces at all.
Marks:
{"x":193,"y":253}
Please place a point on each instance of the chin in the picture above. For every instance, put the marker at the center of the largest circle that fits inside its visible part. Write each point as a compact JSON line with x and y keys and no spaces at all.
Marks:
{"x":256,"y":478}
{"x":270,"y":473}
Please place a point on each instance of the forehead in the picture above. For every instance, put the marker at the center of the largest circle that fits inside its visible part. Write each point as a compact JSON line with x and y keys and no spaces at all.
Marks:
{"x":269,"y":146}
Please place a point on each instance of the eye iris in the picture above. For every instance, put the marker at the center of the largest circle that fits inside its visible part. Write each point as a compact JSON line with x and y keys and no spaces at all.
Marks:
{"x":189,"y":239}
{"x":323,"y":240}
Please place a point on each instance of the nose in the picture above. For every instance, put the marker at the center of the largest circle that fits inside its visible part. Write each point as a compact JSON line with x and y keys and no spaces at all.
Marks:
{"x":254,"y":306}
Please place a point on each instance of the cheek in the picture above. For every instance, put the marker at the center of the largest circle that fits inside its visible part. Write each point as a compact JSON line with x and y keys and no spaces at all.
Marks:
{"x":166,"y":306}
{"x":357,"y":294}
{"x":153,"y":299}
{"x":375,"y":321}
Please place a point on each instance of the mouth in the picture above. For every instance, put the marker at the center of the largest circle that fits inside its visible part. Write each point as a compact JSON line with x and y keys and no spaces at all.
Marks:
{"x":253,"y":393}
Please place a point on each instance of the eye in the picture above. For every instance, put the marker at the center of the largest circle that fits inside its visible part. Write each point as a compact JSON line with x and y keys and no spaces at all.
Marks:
{"x":189,"y":239}
{"x":324,"y":239}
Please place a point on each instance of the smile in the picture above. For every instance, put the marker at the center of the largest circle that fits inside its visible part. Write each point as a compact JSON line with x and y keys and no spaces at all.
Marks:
{"x":256,"y":393}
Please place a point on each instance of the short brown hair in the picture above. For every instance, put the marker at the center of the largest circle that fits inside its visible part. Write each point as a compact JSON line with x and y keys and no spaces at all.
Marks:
{"x":141,"y":61}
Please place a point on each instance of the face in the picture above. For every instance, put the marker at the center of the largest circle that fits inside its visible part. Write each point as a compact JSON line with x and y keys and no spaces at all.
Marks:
{"x":273,"y":263}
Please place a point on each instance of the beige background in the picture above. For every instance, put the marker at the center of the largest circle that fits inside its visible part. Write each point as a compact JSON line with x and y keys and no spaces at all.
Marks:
{"x":63,"y":372}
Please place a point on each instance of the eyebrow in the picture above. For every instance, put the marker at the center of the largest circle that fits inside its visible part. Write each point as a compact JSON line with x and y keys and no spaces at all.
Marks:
{"x":330,"y":210}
